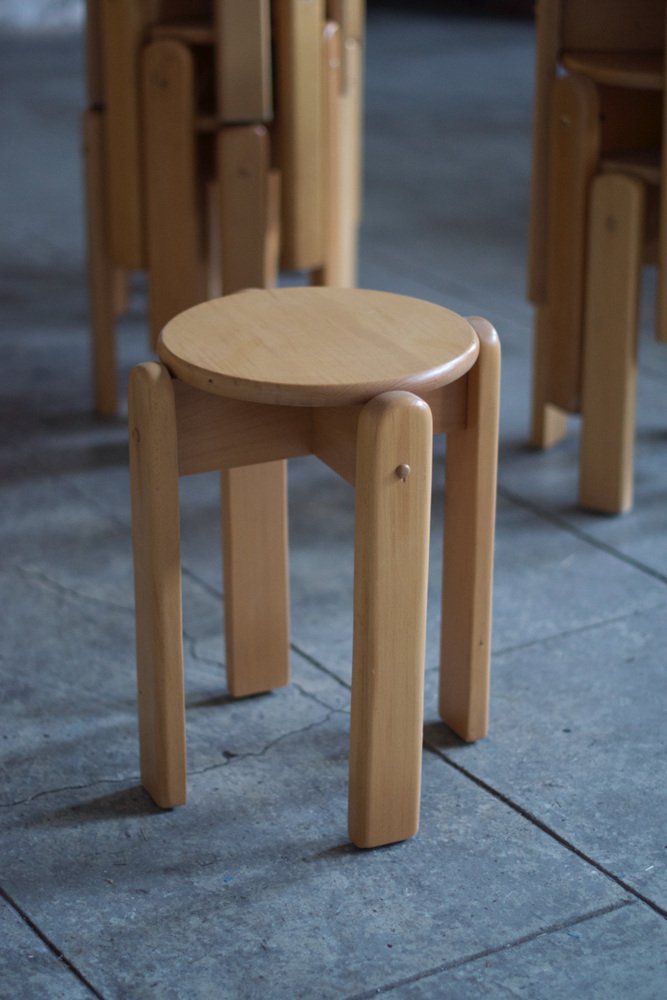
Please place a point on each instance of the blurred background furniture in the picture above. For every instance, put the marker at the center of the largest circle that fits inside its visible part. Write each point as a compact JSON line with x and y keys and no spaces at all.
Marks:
{"x":223,"y":142}
{"x":598,"y":110}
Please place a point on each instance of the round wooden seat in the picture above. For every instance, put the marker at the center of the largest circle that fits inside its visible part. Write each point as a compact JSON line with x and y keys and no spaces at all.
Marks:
{"x":317,"y":346}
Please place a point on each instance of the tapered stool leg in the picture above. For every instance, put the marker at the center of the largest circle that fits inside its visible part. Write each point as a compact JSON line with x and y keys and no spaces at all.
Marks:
{"x":610,"y":344}
{"x":470,"y":504}
{"x":393,"y":481}
{"x":255,"y":559}
{"x":548,"y":423}
{"x":157,"y":580}
{"x":174,"y":190}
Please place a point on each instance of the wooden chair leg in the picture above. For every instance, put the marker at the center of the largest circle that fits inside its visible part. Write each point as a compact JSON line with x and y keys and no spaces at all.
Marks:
{"x":157,"y":579}
{"x":470,"y":504}
{"x":610,"y":345}
{"x":394,"y":459}
{"x":548,"y":423}
{"x":255,"y":559}
{"x":175,"y":193}
{"x":575,"y":143}
{"x":243,"y":157}
{"x":102,"y":275}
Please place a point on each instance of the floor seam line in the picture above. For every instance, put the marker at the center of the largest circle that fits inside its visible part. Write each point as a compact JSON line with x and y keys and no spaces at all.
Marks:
{"x":567,"y":633}
{"x":53,"y":948}
{"x":488,"y":952}
{"x":580,"y":533}
{"x":320,"y":666}
{"x":545,"y":828}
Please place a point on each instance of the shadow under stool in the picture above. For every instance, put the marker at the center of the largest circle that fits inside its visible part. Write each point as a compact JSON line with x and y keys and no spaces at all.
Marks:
{"x":363,"y":380}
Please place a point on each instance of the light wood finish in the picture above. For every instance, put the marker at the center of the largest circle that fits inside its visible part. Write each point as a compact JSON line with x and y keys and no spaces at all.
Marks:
{"x":621,"y":48}
{"x":385,"y":448}
{"x":101,"y":273}
{"x":334,"y":438}
{"x":352,"y":141}
{"x":243,"y":55}
{"x":272,"y":237}
{"x":334,"y":429}
{"x":124,"y":27}
{"x":548,"y":424}
{"x":610,"y":356}
{"x":470,"y":506}
{"x":254,"y":509}
{"x":160,"y":140}
{"x":157,"y":580}
{"x":334,"y":266}
{"x":641,"y":70}
{"x":575,"y":143}
{"x":254,"y":520}
{"x":175,"y":193}
{"x":243,"y":161}
{"x":298,"y":28}
{"x":317,"y":346}
{"x":350,"y":15}
{"x":573,"y":30}
{"x":216,"y":433}
{"x":342,"y":116}
{"x":390,"y":582}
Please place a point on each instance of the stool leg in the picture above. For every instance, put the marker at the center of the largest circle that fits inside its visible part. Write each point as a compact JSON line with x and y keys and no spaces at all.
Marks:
{"x":470,"y":505}
{"x":102,"y":276}
{"x":548,"y":423}
{"x":610,"y":345}
{"x":175,"y":194}
{"x":157,"y":582}
{"x":255,"y":559}
{"x":394,"y":459}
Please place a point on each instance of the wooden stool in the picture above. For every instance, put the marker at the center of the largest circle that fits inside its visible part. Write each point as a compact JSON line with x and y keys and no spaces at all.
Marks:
{"x":362,"y":380}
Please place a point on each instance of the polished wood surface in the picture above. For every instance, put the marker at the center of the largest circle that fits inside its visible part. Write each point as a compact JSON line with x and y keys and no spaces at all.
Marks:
{"x":470,"y":516}
{"x":317,"y":346}
{"x":390,"y":582}
{"x":157,"y":583}
{"x":610,"y":343}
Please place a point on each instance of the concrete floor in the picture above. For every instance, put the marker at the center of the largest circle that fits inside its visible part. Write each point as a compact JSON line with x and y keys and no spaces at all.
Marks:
{"x":541,"y":867}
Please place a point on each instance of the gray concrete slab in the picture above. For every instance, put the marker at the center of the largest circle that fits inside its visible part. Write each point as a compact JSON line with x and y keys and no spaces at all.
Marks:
{"x":617,"y":954}
{"x":251,"y":889}
{"x":578,"y":740}
{"x":28,"y":968}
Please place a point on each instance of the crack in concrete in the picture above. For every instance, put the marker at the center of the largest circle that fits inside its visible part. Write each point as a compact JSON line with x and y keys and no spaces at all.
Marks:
{"x":313,"y":697}
{"x":136,"y":778}
{"x":260,"y":753}
{"x":192,"y":641}
{"x":65,"y":590}
{"x":70,"y":788}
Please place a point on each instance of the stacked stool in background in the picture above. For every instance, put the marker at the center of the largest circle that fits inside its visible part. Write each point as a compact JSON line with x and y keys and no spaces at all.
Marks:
{"x":598,"y":170}
{"x":223,"y":141}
